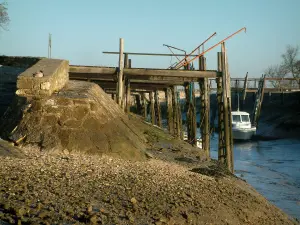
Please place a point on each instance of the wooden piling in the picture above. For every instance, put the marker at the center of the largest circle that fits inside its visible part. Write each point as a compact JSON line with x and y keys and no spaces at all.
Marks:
{"x":157,"y":109}
{"x":225,"y":154}
{"x":177,"y":113}
{"x":188,"y":110}
{"x":227,"y":110}
{"x":144,"y":104}
{"x":205,"y":108}
{"x":120,"y":85}
{"x":138,"y":104}
{"x":179,"y":117}
{"x":152,"y":110}
{"x":170,"y":114}
{"x":191,"y":122}
{"x":128,"y":96}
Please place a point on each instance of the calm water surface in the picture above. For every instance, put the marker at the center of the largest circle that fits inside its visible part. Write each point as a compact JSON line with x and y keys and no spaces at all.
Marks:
{"x":272,"y":168}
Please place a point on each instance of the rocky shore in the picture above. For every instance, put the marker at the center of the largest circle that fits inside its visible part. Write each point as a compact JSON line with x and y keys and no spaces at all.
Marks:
{"x":175,"y":185}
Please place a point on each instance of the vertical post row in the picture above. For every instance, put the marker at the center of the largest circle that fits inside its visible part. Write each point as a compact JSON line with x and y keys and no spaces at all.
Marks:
{"x":120,"y":75}
{"x":205,"y":108}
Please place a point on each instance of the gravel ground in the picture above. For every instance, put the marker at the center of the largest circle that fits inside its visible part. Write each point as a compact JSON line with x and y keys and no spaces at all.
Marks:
{"x":63,"y":188}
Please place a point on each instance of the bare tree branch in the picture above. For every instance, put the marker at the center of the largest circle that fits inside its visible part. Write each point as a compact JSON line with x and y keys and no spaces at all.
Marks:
{"x":290,"y":60}
{"x":4,"y":18}
{"x":276,"y":71}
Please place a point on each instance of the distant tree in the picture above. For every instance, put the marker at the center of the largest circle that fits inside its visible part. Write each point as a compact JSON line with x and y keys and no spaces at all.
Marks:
{"x":4,"y":18}
{"x":290,"y":66}
{"x":291,"y":63}
{"x":276,"y":71}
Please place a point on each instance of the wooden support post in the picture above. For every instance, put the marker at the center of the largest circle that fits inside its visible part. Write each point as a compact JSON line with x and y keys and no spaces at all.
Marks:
{"x":225,"y":130}
{"x":187,"y":110}
{"x":125,"y":83}
{"x":221,"y":144}
{"x":126,"y":61}
{"x":205,"y":109}
{"x":128,"y":96}
{"x":177,"y":113}
{"x":120,"y":85}
{"x":138,"y":104}
{"x":157,"y":109}
{"x":170,"y":114}
{"x":129,"y":63}
{"x":179,"y":116}
{"x":227,"y":110}
{"x":193,"y":116}
{"x":152,"y":110}
{"x":144,"y":104}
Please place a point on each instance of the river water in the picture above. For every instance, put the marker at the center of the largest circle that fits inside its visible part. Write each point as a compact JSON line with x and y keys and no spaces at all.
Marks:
{"x":271,"y":167}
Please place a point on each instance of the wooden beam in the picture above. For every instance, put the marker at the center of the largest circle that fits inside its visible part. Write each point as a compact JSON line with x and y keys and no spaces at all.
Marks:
{"x":145,"y":54}
{"x":136,"y":72}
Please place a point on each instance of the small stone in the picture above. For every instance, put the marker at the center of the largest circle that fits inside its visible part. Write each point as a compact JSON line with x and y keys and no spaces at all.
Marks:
{"x":93,"y":219}
{"x":90,"y":209}
{"x":133,"y":200}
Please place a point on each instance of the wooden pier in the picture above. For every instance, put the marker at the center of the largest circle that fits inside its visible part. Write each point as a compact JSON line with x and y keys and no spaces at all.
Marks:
{"x":144,"y":84}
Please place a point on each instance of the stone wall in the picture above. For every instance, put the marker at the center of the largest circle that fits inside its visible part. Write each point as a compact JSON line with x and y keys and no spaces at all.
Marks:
{"x":55,"y":76}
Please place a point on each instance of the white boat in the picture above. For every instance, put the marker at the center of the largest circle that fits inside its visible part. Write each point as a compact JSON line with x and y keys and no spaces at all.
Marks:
{"x":241,"y":126}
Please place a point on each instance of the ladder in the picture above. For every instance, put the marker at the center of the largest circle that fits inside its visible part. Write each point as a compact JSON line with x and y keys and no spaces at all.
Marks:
{"x":258,"y":101}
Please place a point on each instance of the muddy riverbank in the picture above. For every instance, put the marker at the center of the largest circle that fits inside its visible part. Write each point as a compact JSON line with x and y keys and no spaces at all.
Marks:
{"x":175,"y":185}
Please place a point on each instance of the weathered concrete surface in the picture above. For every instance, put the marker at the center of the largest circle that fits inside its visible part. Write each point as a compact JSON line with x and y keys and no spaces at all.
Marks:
{"x":55,"y":76}
{"x":80,"y":117}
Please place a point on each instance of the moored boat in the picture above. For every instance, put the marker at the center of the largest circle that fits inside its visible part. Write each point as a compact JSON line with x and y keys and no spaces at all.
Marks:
{"x":241,"y":126}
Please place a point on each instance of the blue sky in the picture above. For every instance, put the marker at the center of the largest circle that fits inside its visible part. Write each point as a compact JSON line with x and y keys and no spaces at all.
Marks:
{"x":81,"y":30}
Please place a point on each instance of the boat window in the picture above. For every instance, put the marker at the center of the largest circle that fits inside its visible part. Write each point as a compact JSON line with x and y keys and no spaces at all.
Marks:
{"x":245,"y":118}
{"x":236,"y":118}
